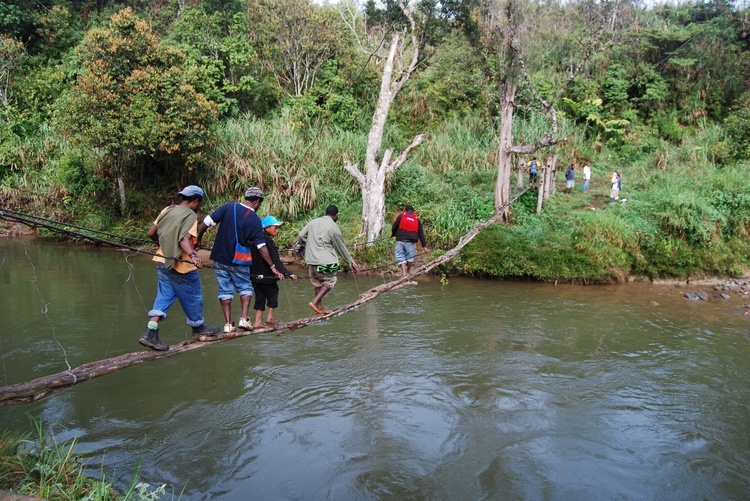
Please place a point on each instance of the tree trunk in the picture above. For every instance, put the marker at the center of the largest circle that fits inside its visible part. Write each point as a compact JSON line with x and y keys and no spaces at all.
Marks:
{"x":372,"y":180}
{"x":120,"y":187}
{"x":543,"y":178}
{"x":553,"y":175}
{"x":521,"y":166}
{"x":37,"y":389}
{"x":504,"y":167}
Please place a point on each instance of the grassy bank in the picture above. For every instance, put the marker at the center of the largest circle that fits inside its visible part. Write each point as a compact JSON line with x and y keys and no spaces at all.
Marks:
{"x":687,"y":215}
{"x":36,"y":465}
{"x":680,"y":215}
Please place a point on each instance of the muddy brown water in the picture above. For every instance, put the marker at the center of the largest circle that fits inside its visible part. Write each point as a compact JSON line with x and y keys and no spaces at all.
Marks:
{"x":476,"y":389}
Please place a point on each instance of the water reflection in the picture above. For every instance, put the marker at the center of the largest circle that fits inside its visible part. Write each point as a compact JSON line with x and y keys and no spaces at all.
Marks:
{"x":475,"y":390}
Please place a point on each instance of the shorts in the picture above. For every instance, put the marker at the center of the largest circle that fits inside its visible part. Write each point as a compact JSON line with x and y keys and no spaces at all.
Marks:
{"x":232,"y":275}
{"x":266,"y":293}
{"x":320,"y":280}
{"x":405,"y":251}
{"x":570,"y":183}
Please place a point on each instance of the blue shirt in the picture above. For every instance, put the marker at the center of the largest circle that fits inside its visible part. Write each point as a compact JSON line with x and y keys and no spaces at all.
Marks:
{"x":249,"y":230}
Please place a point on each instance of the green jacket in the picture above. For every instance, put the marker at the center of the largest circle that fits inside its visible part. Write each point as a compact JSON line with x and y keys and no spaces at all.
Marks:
{"x":322,"y":239}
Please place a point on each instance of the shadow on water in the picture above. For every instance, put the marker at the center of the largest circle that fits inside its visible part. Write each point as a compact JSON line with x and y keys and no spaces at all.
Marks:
{"x":474,"y":390}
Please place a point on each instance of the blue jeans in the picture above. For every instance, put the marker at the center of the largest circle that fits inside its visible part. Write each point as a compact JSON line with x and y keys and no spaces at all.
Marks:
{"x":230,"y":277}
{"x":185,"y":287}
{"x":405,"y":251}
{"x":586,"y":185}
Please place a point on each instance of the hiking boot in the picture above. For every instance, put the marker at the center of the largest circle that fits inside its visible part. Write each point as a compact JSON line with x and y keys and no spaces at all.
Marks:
{"x":150,"y":338}
{"x":228,"y":327}
{"x":245,"y":324}
{"x":205,"y":330}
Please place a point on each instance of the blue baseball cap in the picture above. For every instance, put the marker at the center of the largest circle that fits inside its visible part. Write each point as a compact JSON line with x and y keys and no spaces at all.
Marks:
{"x":270,"y":221}
{"x":191,"y":191}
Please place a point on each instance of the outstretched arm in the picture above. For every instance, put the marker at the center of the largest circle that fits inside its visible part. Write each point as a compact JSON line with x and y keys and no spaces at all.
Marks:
{"x":267,"y":258}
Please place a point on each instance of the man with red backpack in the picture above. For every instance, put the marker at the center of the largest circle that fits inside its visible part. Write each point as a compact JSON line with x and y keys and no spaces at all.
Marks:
{"x":407,"y":228}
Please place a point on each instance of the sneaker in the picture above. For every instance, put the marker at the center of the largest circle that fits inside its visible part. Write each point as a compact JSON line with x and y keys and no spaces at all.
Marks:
{"x":245,"y":324}
{"x":150,"y":338}
{"x":229,"y":327}
{"x":205,"y":330}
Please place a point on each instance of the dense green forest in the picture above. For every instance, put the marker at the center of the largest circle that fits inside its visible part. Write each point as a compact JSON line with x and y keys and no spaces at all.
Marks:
{"x":108,"y":107}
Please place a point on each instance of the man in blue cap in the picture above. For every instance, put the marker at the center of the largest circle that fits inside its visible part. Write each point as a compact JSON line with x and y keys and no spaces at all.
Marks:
{"x":177,"y":265}
{"x":264,"y":282}
{"x":239,"y":234}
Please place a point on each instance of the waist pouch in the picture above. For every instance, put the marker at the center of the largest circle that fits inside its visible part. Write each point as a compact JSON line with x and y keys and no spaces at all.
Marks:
{"x":328,"y":269}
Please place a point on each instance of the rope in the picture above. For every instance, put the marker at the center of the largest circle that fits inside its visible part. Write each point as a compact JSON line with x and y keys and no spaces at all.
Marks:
{"x":32,"y":220}
{"x":58,"y":227}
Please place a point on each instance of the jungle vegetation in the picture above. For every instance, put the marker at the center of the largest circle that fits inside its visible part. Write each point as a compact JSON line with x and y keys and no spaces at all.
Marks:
{"x":108,"y":108}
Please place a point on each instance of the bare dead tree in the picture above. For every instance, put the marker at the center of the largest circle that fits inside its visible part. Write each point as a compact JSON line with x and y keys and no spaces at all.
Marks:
{"x":399,"y":64}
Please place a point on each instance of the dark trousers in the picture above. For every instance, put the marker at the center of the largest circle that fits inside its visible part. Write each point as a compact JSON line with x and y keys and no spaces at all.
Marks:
{"x":266,"y":293}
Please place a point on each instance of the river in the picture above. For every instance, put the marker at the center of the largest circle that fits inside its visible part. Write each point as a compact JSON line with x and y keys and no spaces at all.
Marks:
{"x":475,"y":389}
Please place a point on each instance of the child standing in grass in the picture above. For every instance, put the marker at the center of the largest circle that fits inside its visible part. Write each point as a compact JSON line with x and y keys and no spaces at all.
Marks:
{"x":264,"y":281}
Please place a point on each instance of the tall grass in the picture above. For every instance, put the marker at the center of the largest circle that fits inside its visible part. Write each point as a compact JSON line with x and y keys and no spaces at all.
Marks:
{"x":37,"y":465}
{"x":297,"y":169}
{"x":680,"y":202}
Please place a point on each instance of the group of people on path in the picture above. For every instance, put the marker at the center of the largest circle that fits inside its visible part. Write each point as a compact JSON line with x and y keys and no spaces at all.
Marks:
{"x":570,"y":175}
{"x":246,"y":259}
{"x":570,"y":178}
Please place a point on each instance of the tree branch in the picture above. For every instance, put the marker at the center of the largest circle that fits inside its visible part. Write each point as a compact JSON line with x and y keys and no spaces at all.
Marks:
{"x":405,"y":154}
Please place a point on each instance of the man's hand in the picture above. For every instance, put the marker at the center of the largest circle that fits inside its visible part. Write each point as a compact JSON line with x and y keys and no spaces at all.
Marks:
{"x":196,"y":260}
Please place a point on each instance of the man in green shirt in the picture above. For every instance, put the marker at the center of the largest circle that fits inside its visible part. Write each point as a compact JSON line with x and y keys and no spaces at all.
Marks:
{"x":177,"y":265}
{"x":322,"y":240}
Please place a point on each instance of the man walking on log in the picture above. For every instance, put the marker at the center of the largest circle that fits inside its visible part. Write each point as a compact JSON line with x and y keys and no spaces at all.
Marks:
{"x":321,"y":239}
{"x":407,"y":229}
{"x":177,"y":265}
{"x":240,"y":229}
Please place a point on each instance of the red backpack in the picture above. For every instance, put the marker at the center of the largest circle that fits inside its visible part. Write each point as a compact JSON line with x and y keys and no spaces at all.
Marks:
{"x":409,"y":222}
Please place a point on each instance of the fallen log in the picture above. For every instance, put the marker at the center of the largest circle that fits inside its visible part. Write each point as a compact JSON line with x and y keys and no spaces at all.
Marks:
{"x":36,"y":389}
